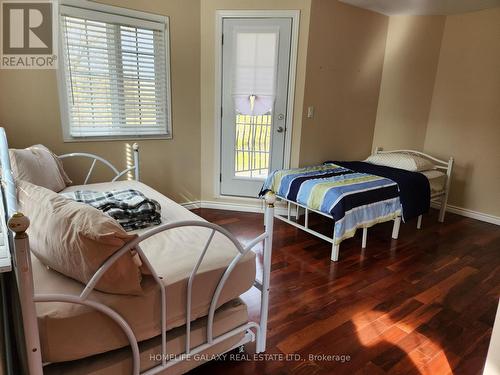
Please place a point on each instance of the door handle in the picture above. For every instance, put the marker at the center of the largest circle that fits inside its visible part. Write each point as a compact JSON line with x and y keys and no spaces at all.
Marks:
{"x":280,"y":129}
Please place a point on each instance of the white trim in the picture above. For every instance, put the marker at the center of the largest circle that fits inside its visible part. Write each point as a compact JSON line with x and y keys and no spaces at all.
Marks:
{"x":232,"y":206}
{"x":492,"y":364}
{"x":113,"y":17}
{"x":469,"y":213}
{"x":219,"y":16}
{"x":192,"y":205}
{"x":257,"y":207}
{"x":115,"y":10}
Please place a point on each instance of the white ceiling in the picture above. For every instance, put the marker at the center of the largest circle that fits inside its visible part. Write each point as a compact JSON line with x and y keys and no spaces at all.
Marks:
{"x":423,"y":7}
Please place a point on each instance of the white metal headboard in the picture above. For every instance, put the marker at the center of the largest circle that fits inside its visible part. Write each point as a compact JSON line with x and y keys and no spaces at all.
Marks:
{"x":96,"y":158}
{"x":444,"y":165}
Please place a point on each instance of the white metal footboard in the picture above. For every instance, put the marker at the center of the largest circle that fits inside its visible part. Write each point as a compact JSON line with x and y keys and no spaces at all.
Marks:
{"x":305,"y":227}
{"x":19,"y":224}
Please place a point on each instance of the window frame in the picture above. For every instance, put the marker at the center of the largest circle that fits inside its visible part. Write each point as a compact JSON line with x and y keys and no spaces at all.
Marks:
{"x":64,"y":106}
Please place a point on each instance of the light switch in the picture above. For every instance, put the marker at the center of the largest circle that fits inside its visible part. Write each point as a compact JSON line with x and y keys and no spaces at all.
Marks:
{"x":310,"y":112}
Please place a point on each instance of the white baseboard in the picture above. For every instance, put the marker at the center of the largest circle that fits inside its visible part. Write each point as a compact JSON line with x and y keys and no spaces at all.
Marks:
{"x":258,"y":208}
{"x":191,"y":205}
{"x":470,"y":213}
{"x":217,"y":205}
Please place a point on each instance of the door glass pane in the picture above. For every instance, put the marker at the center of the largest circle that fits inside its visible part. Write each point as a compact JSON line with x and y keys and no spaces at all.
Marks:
{"x":253,"y":145}
{"x":254,"y":92}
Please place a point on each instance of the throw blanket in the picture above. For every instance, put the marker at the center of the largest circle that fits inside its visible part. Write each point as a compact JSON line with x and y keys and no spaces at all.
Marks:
{"x":414,"y":188}
{"x":353,"y":199}
{"x":129,"y":207}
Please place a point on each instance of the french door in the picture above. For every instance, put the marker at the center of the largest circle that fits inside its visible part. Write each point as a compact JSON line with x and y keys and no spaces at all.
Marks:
{"x":255,"y":79}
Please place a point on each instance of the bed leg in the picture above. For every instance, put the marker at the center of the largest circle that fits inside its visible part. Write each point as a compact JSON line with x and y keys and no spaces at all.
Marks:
{"x":335,"y":252}
{"x":395,"y":228}
{"x":444,"y":198}
{"x":419,"y":222}
{"x":335,"y":249}
{"x":442,"y":209}
{"x":297,"y":213}
{"x":365,"y":235}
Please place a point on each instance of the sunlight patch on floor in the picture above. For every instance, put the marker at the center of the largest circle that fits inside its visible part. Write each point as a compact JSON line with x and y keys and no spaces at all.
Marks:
{"x":375,"y":327}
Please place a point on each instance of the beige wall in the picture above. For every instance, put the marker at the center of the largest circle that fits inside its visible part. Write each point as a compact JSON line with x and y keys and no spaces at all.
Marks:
{"x":410,"y":64}
{"x":464,"y":119}
{"x":29,"y":109}
{"x":441,"y":93}
{"x":454,"y":61}
{"x":182,"y":168}
{"x":208,"y":126}
{"x":344,"y":68}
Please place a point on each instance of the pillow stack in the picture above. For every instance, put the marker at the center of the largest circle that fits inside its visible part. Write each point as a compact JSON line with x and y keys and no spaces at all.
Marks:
{"x":39,"y":166}
{"x":72,"y":238}
{"x":75,"y":239}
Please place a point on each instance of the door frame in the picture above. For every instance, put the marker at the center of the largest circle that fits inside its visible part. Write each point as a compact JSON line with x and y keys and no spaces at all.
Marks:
{"x":220,"y":15}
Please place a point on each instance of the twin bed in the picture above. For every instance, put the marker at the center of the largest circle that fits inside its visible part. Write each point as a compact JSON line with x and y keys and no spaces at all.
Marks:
{"x":390,"y":185}
{"x":188,"y":308}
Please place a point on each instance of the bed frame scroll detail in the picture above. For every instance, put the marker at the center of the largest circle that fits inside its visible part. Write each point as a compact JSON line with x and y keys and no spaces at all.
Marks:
{"x":442,"y":165}
{"x":19,"y":223}
{"x":95,"y":158}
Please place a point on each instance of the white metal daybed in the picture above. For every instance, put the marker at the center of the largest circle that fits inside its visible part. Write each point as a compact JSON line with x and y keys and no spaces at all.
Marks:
{"x":154,"y":332}
{"x":439,"y":180}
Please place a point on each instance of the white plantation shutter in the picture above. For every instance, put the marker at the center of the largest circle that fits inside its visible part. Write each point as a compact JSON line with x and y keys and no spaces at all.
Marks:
{"x":115,"y":74}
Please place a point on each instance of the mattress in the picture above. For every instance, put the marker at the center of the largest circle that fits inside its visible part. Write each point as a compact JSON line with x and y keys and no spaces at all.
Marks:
{"x":229,"y":316}
{"x":70,"y":331}
{"x":437,"y":180}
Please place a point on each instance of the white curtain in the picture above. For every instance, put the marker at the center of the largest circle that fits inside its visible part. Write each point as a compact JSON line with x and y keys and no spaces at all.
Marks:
{"x":254,"y":81}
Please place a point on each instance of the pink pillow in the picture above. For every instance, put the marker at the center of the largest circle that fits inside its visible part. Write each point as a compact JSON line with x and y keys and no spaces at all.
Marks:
{"x":75,"y":239}
{"x":39,"y":166}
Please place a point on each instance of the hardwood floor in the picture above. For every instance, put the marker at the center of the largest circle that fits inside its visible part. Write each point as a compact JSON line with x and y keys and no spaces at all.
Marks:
{"x":423,"y":304}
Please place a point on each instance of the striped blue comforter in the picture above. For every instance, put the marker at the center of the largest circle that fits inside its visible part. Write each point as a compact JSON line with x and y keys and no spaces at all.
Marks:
{"x":353,"y":199}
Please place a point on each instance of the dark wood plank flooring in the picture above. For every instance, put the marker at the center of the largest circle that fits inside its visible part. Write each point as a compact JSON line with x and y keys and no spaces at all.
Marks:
{"x":422,"y":304}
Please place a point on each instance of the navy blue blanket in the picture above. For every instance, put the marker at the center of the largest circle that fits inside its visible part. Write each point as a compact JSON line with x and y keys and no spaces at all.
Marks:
{"x":414,"y":188}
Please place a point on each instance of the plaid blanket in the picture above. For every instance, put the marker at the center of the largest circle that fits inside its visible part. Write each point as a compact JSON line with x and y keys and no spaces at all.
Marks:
{"x":129,"y":207}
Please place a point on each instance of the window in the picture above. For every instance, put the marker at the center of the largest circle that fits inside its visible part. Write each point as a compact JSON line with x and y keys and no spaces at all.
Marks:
{"x":114,"y":79}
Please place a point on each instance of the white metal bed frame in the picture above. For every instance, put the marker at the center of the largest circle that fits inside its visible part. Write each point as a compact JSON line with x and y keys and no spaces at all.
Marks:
{"x":18,"y":223}
{"x":441,"y":197}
